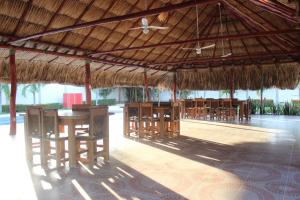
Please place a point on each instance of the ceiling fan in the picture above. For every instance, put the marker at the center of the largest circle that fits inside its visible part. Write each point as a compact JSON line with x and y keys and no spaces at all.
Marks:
{"x":145,"y":24}
{"x":224,"y":55}
{"x":198,"y":48}
{"x":146,"y":28}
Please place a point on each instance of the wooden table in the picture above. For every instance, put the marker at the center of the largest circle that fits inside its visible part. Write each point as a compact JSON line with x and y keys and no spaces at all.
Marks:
{"x":161,"y":111}
{"x":72,"y":118}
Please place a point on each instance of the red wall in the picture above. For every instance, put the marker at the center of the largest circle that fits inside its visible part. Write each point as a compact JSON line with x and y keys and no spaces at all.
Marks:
{"x":72,"y":98}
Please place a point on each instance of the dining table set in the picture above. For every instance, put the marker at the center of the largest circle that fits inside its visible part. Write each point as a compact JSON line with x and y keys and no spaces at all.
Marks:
{"x":215,"y":109}
{"x":77,"y":135}
{"x":152,"y":119}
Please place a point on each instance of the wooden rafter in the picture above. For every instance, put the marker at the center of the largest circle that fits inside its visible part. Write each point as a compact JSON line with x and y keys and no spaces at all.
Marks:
{"x":88,"y":6}
{"x":138,"y":36}
{"x":278,"y":9}
{"x":169,"y":31}
{"x":92,"y":29}
{"x":258,"y":55}
{"x":208,"y":28}
{"x":28,"y":4}
{"x":131,"y":16}
{"x":262,"y":24}
{"x":81,"y":57}
{"x":114,"y":29}
{"x":205,"y":39}
{"x":205,"y":21}
{"x":182,"y":35}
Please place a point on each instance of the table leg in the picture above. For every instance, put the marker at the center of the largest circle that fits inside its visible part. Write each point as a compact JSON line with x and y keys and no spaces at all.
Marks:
{"x":72,"y":144}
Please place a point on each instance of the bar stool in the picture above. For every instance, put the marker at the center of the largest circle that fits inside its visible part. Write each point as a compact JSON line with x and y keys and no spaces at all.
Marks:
{"x":228,"y":112}
{"x":98,"y":130}
{"x":189,"y":108}
{"x":146,"y":119}
{"x":215,"y":111}
{"x":84,"y":125}
{"x":201,"y":109}
{"x":173,"y":120}
{"x":51,"y":133}
{"x":131,"y":119}
{"x":33,"y":132}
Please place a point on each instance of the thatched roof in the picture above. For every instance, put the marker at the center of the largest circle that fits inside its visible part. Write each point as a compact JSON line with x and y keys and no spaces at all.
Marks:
{"x":263,"y":37}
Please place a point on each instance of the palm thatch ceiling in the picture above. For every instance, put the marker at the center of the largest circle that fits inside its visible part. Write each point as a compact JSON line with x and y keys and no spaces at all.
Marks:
{"x":67,"y":33}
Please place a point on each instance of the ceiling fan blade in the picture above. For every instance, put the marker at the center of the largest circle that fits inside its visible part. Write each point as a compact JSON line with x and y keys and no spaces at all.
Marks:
{"x":188,"y":48}
{"x":209,"y":46}
{"x":226,"y":55}
{"x":144,"y":21}
{"x":158,"y":27}
{"x":136,"y":28}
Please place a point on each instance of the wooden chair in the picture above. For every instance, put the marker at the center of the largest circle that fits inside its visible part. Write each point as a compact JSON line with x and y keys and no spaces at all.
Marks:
{"x":201,"y":108}
{"x":189,"y":108}
{"x":98,"y":130}
{"x":146,"y":119}
{"x":228,"y":112}
{"x":131,"y":119}
{"x":81,"y":107}
{"x":79,"y":128}
{"x":214,"y":109}
{"x":173,"y":121}
{"x":51,"y":133}
{"x":245,"y":110}
{"x":33,"y":132}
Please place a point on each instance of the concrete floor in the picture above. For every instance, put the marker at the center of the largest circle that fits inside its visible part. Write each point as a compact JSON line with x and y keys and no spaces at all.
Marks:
{"x":255,"y":160}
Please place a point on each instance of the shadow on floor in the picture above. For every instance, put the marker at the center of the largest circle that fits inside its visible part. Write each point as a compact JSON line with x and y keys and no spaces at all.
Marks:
{"x":111,"y":180}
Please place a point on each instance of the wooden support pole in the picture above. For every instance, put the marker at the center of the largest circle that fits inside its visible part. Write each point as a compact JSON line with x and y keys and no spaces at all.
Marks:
{"x":146,"y":85}
{"x":232,"y":85}
{"x":261,"y":92}
{"x":13,"y":91}
{"x":88,"y":83}
{"x":0,"y":98}
{"x":174,"y":88}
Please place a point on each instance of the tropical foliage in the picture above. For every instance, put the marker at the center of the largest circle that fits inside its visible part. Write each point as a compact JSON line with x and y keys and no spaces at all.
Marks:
{"x":33,"y":89}
{"x":104,"y":92}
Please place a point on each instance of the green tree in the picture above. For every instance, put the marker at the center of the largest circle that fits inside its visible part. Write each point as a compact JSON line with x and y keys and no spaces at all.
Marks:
{"x":33,"y":89}
{"x":134,"y":94}
{"x":225,"y":92}
{"x":183,"y":94}
{"x":105,"y":92}
{"x":5,"y":88}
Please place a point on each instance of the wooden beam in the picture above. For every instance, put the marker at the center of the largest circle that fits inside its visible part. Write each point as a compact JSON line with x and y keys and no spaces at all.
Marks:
{"x":258,"y":55}
{"x":13,"y":91}
{"x":207,"y":22}
{"x":81,"y":57}
{"x":247,"y":14}
{"x":131,"y":16}
{"x":206,"y":39}
{"x":169,"y":31}
{"x":232,"y":85}
{"x":174,"y":87}
{"x":88,"y":86}
{"x":277,"y":9}
{"x":113,"y":29}
{"x":25,"y":11}
{"x":88,"y":6}
{"x":139,"y":35}
{"x":182,"y":35}
{"x":92,"y":29}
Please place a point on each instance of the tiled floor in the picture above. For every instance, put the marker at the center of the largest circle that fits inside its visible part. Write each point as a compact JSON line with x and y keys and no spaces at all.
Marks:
{"x":256,"y":160}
